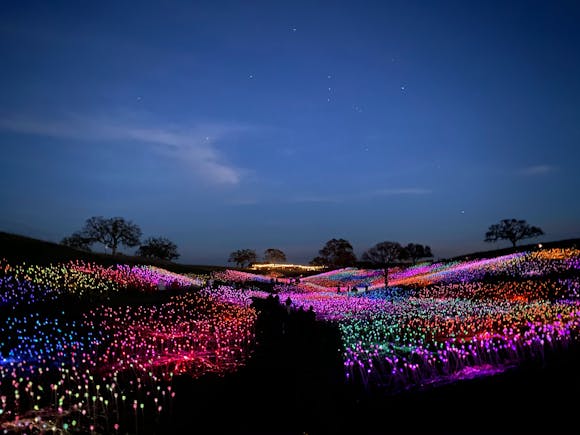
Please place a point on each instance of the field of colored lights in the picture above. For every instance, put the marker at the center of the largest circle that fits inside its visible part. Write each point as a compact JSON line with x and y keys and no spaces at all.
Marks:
{"x":101,"y":366}
{"x":442,"y":322}
{"x":85,"y":348}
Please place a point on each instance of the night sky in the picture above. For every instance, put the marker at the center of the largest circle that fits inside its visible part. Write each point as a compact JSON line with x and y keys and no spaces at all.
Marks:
{"x":244,"y":124}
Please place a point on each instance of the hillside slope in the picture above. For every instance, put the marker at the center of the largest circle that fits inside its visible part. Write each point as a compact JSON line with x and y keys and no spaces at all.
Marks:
{"x":16,"y":248}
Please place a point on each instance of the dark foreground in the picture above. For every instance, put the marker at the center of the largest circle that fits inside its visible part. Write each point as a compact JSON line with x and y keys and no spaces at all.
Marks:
{"x":294,"y":384}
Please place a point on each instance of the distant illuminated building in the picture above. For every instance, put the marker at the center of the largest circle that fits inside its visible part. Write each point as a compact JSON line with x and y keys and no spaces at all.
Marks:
{"x":286,"y":266}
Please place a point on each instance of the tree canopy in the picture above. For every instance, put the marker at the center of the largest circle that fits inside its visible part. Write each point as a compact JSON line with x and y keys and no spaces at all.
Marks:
{"x":243,"y":257}
{"x":416,"y":252}
{"x":77,"y":241}
{"x":335,"y":253}
{"x":158,"y":247}
{"x":513,"y":230}
{"x":111,"y":232}
{"x":384,"y":255}
{"x":272,"y":255}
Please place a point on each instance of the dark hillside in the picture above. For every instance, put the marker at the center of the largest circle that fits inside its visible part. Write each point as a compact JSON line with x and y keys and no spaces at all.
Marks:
{"x":17,"y":249}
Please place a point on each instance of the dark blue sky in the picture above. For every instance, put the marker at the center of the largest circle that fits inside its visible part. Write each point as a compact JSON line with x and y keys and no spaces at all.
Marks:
{"x":229,"y":125}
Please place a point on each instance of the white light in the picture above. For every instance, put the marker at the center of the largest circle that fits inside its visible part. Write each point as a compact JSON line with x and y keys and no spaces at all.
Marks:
{"x":285,"y":266}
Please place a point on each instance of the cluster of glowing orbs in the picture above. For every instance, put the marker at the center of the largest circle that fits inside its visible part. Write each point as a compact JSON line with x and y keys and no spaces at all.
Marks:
{"x":26,"y":284}
{"x":103,"y":369}
{"x":451,"y":320}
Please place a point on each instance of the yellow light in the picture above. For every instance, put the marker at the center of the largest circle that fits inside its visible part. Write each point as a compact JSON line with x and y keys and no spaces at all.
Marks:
{"x":285,"y":266}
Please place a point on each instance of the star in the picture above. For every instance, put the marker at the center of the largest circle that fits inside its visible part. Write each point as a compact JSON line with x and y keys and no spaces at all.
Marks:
{"x":403,"y":88}
{"x":139,"y":98}
{"x":293,"y":29}
{"x":251,"y":76}
{"x":462,"y":211}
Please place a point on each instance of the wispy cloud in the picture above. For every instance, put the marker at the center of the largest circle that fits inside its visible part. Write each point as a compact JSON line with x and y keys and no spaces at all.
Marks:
{"x":401,"y":191}
{"x":244,"y":201}
{"x":50,"y":128}
{"x":537,"y":170}
{"x":330,"y":199}
{"x":338,"y":198}
{"x":196,"y":146}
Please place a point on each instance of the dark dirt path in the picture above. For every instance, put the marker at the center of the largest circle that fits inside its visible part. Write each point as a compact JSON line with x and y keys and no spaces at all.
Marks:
{"x":293,"y":378}
{"x":294,"y":384}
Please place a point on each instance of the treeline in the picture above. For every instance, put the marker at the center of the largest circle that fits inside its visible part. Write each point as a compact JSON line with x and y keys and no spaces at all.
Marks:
{"x":115,"y":232}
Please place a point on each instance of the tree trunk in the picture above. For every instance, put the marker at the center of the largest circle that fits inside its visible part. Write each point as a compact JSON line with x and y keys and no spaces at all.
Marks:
{"x":386,"y":272}
{"x":114,"y":245}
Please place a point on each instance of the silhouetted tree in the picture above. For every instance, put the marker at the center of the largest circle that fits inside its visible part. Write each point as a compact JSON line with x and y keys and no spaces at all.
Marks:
{"x":158,"y":247}
{"x":272,"y":255}
{"x":416,"y":251}
{"x":384,"y":255}
{"x":77,"y":241}
{"x":512,"y":230}
{"x":336,"y":253}
{"x":317,"y":261}
{"x":243,"y":257}
{"x":111,"y":232}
